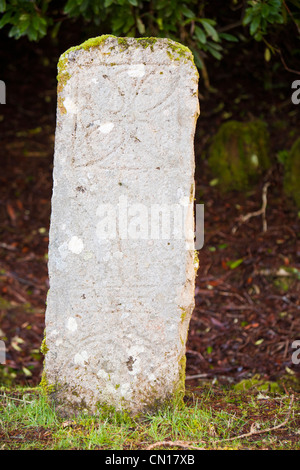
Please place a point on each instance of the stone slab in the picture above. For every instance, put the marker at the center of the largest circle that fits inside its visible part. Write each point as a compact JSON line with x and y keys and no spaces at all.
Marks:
{"x":121,"y":294}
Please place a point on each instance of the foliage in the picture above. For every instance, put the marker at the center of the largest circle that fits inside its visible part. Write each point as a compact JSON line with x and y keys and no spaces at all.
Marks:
{"x":195,"y":23}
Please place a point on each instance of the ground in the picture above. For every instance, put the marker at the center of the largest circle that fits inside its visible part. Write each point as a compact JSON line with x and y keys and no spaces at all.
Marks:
{"x":247,"y":289}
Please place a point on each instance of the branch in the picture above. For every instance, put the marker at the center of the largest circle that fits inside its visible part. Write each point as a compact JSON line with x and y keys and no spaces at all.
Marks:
{"x":261,"y":211}
{"x":184,"y":444}
{"x":284,"y":63}
{"x":290,"y":13}
{"x":230,"y":26}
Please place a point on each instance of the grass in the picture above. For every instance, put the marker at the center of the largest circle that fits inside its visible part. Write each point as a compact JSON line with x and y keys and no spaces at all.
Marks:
{"x":209,"y":418}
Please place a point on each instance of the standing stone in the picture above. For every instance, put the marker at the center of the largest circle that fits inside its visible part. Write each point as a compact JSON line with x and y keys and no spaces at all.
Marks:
{"x":121,"y":284}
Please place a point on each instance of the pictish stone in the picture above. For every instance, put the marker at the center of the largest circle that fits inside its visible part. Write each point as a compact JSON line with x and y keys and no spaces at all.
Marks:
{"x":121,"y":250}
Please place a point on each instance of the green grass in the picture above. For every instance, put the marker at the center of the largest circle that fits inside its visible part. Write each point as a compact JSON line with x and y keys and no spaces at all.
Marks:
{"x":209,"y":418}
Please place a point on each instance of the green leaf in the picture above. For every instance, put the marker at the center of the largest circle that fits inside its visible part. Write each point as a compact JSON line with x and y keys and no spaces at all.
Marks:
{"x":259,"y":341}
{"x":222,"y":246}
{"x":214,"y":182}
{"x":5,"y":19}
{"x":216,"y":54}
{"x":254,"y":25}
{"x":187,"y":12}
{"x":234,"y":264}
{"x":210,"y":30}
{"x":140,"y":26}
{"x":159,"y":21}
{"x":197,"y":58}
{"x":200,"y":35}
{"x":55,"y":29}
{"x":83,"y":6}
{"x":265,"y":10}
{"x":26,"y":371}
{"x":2,"y":6}
{"x":267,"y":54}
{"x":229,"y":37}
{"x":70,"y":8}
{"x":134,"y":3}
{"x":107,"y":3}
{"x":248,"y":16}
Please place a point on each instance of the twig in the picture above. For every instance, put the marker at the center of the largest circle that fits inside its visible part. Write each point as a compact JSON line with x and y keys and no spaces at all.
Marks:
{"x":15,"y":399}
{"x":285,"y":66}
{"x":228,"y":27}
{"x":292,"y":17}
{"x":261,"y":431}
{"x":7,"y":247}
{"x":261,"y":211}
{"x":196,"y":376}
{"x":184,"y":444}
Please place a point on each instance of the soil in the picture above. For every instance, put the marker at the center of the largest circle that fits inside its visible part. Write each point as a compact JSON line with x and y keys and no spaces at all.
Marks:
{"x":247,"y":290}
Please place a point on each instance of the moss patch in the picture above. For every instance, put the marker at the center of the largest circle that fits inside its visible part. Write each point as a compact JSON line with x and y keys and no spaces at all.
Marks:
{"x":44,"y":349}
{"x":292,"y":173}
{"x":46,"y":388}
{"x":179,"y":51}
{"x":239,"y":153}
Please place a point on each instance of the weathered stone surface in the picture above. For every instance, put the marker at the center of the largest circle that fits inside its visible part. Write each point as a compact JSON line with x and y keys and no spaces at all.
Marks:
{"x":119,"y":306}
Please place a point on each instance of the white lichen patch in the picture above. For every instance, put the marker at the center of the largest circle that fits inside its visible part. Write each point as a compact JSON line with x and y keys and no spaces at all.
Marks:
{"x":72,"y":324}
{"x":106,"y":127}
{"x":102,"y":374}
{"x":81,"y":358}
{"x":53,"y":333}
{"x":118,"y":255}
{"x":125,"y":390}
{"x":70,"y":106}
{"x":75,"y":245}
{"x":63,"y":250}
{"x":136,"y":70}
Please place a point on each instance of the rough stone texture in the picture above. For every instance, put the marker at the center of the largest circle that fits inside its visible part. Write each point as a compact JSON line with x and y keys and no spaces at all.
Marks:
{"x":118,"y":309}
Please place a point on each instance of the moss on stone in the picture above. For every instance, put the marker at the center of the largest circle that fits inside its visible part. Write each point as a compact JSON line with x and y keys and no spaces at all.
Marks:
{"x":175,"y":51}
{"x":44,"y":349}
{"x":46,"y":388}
{"x":183,"y":314}
{"x":239,"y":154}
{"x":63,"y":75}
{"x":146,"y":42}
{"x":292,"y":173}
{"x":123,"y":43}
{"x":180,"y":388}
{"x":179,"y":51}
{"x":86,"y":45}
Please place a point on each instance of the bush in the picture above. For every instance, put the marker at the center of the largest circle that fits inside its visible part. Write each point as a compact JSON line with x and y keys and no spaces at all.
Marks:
{"x":198,"y":24}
